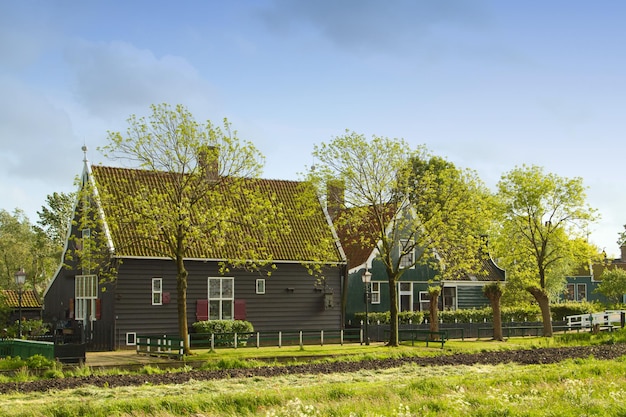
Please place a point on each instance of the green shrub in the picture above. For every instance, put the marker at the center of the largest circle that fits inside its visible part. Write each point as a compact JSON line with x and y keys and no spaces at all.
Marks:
{"x":573,"y":308}
{"x":39,"y":362}
{"x":226,"y":330}
{"x":375,"y":317}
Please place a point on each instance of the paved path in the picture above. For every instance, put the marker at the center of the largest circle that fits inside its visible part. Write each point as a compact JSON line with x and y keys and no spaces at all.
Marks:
{"x":121,"y":357}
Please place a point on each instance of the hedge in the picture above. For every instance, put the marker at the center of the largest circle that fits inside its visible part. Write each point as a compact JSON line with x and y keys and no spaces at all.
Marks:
{"x":530,"y":313}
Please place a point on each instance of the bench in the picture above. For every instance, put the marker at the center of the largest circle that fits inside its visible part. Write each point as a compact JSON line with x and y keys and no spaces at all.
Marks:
{"x":423,"y":335}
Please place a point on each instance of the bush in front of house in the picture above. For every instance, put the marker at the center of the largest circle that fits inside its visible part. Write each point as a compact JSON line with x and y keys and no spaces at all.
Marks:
{"x":225,"y":330}
{"x":574,"y":308}
{"x":519,"y":314}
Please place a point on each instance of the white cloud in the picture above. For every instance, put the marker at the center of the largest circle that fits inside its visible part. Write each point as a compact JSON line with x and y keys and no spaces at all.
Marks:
{"x":116,"y":79}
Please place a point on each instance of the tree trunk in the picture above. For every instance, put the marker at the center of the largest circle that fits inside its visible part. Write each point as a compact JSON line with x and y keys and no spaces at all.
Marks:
{"x":181,"y":287}
{"x":393,"y":312}
{"x":497,"y":316}
{"x":434,"y":310}
{"x":494,"y":293}
{"x":544,"y":304}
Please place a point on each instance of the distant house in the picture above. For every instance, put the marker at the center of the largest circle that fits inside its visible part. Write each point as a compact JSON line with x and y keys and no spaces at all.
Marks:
{"x":582,"y":285}
{"x":412,"y":288}
{"x":31,"y":305}
{"x":143,"y":298}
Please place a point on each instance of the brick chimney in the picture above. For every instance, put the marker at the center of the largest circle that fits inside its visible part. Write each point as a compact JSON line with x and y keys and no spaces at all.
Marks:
{"x":208,"y":162}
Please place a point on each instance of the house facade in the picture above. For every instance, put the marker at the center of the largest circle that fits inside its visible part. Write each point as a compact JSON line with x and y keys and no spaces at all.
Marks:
{"x":582,"y":285}
{"x":142,"y":299}
{"x":412,"y":287}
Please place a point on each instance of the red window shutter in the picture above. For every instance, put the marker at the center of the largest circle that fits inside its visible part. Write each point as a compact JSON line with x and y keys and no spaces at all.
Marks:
{"x":71,"y":309}
{"x":98,"y":308}
{"x":240,"y":309}
{"x":202,"y":310}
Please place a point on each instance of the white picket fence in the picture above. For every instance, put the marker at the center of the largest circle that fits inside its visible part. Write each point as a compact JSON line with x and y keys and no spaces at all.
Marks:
{"x":606,"y":319}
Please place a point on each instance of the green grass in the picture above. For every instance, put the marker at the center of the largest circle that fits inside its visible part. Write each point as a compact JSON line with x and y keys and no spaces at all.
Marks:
{"x":572,"y":388}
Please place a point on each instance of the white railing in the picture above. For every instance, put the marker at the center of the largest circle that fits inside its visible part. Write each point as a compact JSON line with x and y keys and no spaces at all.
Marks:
{"x":605,"y":318}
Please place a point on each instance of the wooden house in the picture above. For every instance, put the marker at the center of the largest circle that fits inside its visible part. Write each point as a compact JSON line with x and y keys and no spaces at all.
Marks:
{"x":412,"y":288}
{"x":582,"y":284}
{"x":142,"y":300}
{"x":30,"y":304}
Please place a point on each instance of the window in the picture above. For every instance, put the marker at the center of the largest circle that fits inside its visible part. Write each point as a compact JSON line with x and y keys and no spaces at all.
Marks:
{"x":85,"y":293}
{"x":260,"y":286}
{"x":571,"y":295}
{"x":424,"y":301}
{"x":375,"y":292}
{"x":449,"y":298}
{"x":221,"y":298}
{"x":131,"y":339}
{"x":406,"y":257}
{"x":581,"y":292}
{"x":405,"y":296}
{"x":157,"y":291}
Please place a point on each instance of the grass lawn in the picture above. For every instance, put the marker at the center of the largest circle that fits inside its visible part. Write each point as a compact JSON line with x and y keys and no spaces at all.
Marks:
{"x":581,"y":387}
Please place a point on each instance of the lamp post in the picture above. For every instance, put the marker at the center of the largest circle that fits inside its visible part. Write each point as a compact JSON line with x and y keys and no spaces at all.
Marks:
{"x":20,"y":279}
{"x":367,"y":278}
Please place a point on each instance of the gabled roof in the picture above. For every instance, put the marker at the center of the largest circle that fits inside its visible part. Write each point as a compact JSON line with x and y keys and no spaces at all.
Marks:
{"x":359,"y":243}
{"x":30,"y":299}
{"x":305,"y":231}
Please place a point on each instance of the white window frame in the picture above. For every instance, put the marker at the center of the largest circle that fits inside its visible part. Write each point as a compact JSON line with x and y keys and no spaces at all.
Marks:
{"x":408,"y":259}
{"x":157,"y":291}
{"x":570,"y":296}
{"x":85,"y":296}
{"x":260,"y":286}
{"x":131,"y":339}
{"x":408,"y":293}
{"x":424,"y":301}
{"x":455,"y":298}
{"x":221,"y":298}
{"x":375,"y":292}
{"x":578,"y":287}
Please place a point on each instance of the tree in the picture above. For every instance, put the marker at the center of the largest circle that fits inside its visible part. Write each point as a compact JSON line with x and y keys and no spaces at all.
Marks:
{"x":23,"y":245}
{"x":494,"y":292}
{"x":613,"y":284}
{"x":397,"y":200}
{"x":542,"y":231}
{"x":433,"y":298}
{"x":200,"y":165}
{"x":55,"y":218}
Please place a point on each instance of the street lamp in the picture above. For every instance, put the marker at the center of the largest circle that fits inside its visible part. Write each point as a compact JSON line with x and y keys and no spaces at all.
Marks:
{"x":20,"y":279}
{"x":367,"y":278}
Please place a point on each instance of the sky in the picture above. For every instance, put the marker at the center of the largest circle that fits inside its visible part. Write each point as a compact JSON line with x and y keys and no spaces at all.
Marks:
{"x":489,"y":85}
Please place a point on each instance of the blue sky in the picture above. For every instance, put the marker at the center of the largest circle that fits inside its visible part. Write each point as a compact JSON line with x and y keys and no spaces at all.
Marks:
{"x":490,"y":85}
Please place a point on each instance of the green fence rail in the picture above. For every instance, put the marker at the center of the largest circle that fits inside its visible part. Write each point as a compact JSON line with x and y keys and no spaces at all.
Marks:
{"x":26,"y":348}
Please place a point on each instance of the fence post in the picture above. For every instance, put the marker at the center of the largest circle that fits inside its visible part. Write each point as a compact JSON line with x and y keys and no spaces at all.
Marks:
{"x":212,"y":341}
{"x":280,"y":339}
{"x":322,"y":336}
{"x":258,"y":339}
{"x":300,"y":339}
{"x":341,"y":337}
{"x":235,"y":340}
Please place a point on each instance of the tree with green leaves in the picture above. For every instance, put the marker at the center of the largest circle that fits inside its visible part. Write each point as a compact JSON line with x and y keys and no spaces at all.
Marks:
{"x":405,"y":202}
{"x":200,"y":165}
{"x":23,"y":245}
{"x":55,"y":217}
{"x":544,"y":219}
{"x":613,"y":284}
